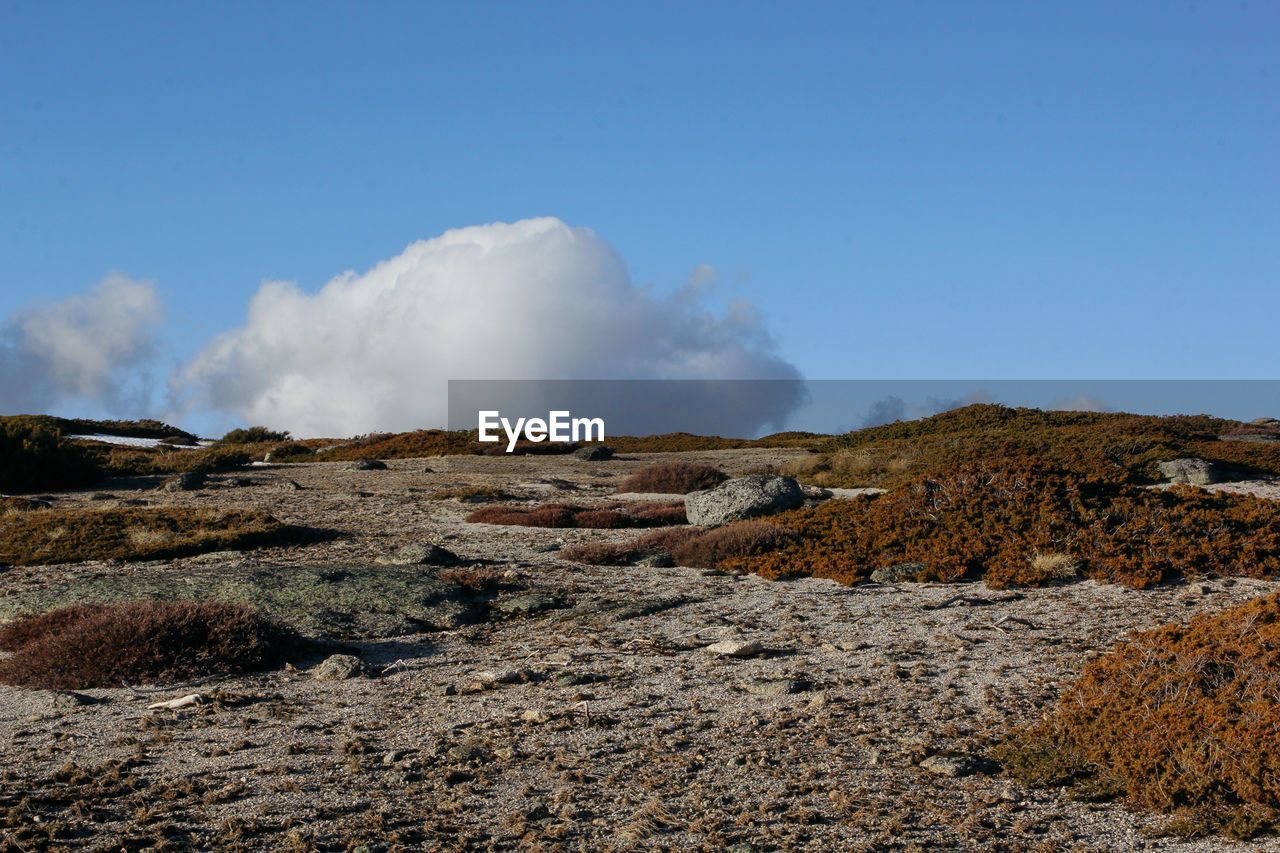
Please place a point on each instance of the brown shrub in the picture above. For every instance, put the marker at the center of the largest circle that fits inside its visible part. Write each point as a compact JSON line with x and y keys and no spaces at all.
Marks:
{"x":989,"y":520}
{"x":668,"y":538}
{"x":676,"y":478}
{"x":107,"y":645}
{"x":73,"y":535}
{"x":1122,"y":447}
{"x":740,"y":539}
{"x":474,"y":578}
{"x":605,"y":517}
{"x":1184,"y":718}
{"x":661,"y":513}
{"x":602,"y":519}
{"x":598,"y":554}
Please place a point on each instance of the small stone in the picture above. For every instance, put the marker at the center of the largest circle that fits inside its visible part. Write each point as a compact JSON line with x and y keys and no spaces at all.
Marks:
{"x":423,"y":553}
{"x":735,"y":648}
{"x":339,"y":667}
{"x":955,"y":766}
{"x":502,"y":676}
{"x":67,"y":699}
{"x":456,"y":777}
{"x":776,"y":686}
{"x":533,"y":716}
{"x":529,"y":603}
{"x":390,"y":759}
{"x":537,"y":812}
{"x":897,"y":573}
{"x":287,"y":486}
{"x":186,"y":482}
{"x":448,"y":690}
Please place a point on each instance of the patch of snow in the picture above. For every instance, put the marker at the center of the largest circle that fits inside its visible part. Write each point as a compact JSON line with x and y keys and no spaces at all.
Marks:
{"x":127,"y":440}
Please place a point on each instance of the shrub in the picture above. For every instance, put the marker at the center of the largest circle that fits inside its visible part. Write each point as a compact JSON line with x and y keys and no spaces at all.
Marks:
{"x":677,"y":478}
{"x":599,"y":554}
{"x":1183,"y":718}
{"x":424,"y":442}
{"x":605,"y":517}
{"x":74,"y":535}
{"x":34,"y":457}
{"x":290,"y":451}
{"x":252,"y":435}
{"x":740,"y":539}
{"x":668,"y":538}
{"x":107,"y":645}
{"x":1121,"y":446}
{"x":659,"y":513}
{"x":219,"y":459}
{"x":988,"y":521}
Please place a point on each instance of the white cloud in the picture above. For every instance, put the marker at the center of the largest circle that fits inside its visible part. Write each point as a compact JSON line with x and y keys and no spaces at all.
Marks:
{"x":88,"y":349}
{"x":534,"y":299}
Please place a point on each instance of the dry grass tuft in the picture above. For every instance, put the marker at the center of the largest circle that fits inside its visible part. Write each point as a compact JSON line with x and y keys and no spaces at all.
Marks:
{"x":107,"y":645}
{"x":74,"y":535}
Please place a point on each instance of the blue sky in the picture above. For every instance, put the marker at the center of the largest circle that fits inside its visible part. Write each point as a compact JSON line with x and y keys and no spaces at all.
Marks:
{"x":901,"y":190}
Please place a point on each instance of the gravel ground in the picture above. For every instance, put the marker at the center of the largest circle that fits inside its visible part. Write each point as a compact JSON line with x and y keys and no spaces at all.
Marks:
{"x":603,"y":722}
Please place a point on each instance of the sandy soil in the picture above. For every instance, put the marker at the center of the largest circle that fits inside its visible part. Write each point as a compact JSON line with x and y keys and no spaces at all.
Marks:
{"x":586,"y":728}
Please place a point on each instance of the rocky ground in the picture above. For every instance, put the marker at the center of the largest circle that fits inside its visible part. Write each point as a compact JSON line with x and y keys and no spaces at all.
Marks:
{"x":588,"y":708}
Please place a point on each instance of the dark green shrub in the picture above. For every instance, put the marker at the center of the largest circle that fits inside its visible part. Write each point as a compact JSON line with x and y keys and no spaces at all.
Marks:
{"x":34,"y":457}
{"x":252,"y":435}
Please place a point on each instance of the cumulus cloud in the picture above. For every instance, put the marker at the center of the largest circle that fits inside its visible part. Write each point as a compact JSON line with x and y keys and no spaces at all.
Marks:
{"x":534,"y":299}
{"x":86,"y":349}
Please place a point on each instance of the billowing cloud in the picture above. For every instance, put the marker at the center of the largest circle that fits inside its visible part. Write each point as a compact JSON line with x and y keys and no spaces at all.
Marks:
{"x":89,"y":349}
{"x":534,"y":299}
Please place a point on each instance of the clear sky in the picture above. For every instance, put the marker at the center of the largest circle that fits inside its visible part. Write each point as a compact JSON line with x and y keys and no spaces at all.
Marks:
{"x":898,"y":189}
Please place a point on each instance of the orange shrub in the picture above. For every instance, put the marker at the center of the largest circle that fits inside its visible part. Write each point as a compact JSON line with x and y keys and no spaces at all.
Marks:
{"x":990,"y":520}
{"x":1182,"y":719}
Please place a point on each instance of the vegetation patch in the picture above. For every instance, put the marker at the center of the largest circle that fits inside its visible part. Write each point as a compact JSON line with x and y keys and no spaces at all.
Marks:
{"x":1182,"y":719}
{"x":688,"y":546}
{"x":676,"y":478}
{"x":252,"y":435}
{"x":75,"y":535}
{"x":1120,"y":446}
{"x":603,"y":517}
{"x":1001,"y":521}
{"x":347,"y":602}
{"x":35,"y":457}
{"x":141,"y":641}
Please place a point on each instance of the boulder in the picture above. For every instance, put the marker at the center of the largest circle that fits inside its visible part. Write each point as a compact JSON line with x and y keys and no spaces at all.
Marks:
{"x":594,"y":453}
{"x":423,"y":553}
{"x":743,"y":497}
{"x":367,"y":465}
{"x":1193,"y":471}
{"x":188,"y":482}
{"x":339,"y":667}
{"x":897,"y":573}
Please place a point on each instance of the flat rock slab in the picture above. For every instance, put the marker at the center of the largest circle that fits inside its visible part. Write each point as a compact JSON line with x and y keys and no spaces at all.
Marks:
{"x":351,"y":602}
